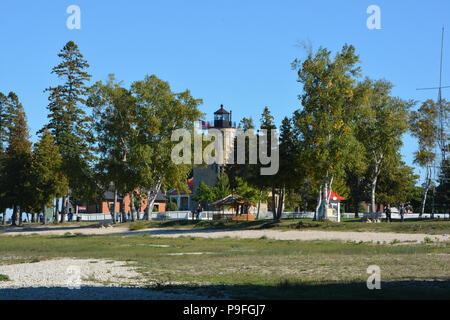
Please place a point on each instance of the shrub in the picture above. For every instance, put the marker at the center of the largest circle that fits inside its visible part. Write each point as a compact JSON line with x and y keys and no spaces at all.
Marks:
{"x":4,"y":277}
{"x":138,"y":225}
{"x":172,"y":206}
{"x":427,"y":240}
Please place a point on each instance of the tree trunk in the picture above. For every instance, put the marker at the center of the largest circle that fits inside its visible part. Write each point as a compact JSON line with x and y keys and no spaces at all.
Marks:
{"x":114,"y":213}
{"x":425,"y":191}
{"x":139,"y":207}
{"x":259,"y":203}
{"x":14,"y":216}
{"x":19,"y":215}
{"x":151,"y":197}
{"x":372,"y":194}
{"x":319,"y":202}
{"x":374,"y":182}
{"x":132,"y":207}
{"x":148,"y":214}
{"x":274,"y":205}
{"x":4,"y":218}
{"x":424,"y":199}
{"x":325,"y":198}
{"x":122,"y":212}
{"x":356,"y":207}
{"x":280,"y":204}
{"x":65,"y":208}
{"x":56,"y":218}
{"x":44,"y":215}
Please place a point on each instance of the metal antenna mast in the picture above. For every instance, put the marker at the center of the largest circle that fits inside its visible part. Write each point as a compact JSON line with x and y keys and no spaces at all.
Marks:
{"x":442,"y":134}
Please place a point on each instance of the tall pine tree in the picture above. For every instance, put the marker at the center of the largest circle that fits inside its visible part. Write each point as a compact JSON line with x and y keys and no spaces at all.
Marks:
{"x":17,"y":190}
{"x":48,"y":180}
{"x":69,"y":124}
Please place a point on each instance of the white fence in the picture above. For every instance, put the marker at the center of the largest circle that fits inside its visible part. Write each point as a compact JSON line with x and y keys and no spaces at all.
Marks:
{"x":208,"y":215}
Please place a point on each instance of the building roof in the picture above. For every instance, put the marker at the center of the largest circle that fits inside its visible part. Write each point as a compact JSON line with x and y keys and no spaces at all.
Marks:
{"x":232,"y":200}
{"x":109,"y":196}
{"x":221,"y":110}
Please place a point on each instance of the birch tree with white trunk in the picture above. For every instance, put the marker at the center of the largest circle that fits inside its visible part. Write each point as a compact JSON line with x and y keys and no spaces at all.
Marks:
{"x":383,"y":121}
{"x":424,"y":127}
{"x":326,"y":121}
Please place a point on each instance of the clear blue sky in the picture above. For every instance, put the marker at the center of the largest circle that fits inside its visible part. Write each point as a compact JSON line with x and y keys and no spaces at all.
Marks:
{"x":236,"y":53}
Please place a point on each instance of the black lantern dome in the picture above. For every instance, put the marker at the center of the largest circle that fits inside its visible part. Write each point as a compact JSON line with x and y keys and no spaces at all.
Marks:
{"x":222,"y":118}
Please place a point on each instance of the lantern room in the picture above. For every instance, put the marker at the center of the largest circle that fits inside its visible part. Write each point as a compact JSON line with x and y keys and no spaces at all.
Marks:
{"x":222,"y":118}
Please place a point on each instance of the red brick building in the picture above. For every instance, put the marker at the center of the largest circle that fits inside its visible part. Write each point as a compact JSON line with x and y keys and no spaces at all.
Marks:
{"x":108,"y":202}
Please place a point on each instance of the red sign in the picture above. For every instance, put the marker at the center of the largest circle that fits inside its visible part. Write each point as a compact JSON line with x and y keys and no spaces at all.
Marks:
{"x":82,"y":208}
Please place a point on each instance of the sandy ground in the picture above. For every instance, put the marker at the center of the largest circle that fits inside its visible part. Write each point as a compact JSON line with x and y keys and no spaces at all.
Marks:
{"x":77,"y":279}
{"x":304,"y":235}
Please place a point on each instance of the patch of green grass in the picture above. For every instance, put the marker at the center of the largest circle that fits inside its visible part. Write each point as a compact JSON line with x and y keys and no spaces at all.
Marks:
{"x":255,"y":268}
{"x":137,"y":225}
{"x":4,"y":277}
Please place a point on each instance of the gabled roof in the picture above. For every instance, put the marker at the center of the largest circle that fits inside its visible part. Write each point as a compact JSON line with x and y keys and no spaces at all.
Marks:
{"x":109,"y":196}
{"x":230,"y":200}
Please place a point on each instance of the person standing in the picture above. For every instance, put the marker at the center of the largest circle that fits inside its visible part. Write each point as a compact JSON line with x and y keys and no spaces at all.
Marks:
{"x":198,"y":210}
{"x":70,"y":215}
{"x":402,"y":212}
{"x":387,"y":211}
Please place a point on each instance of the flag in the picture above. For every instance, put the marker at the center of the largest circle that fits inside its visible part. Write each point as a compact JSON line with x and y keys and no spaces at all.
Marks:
{"x":204,"y":125}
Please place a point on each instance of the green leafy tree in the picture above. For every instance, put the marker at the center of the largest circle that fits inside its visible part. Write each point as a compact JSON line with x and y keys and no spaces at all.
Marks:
{"x":443,"y":189}
{"x":381,"y":128}
{"x":396,"y":182}
{"x":204,"y":195}
{"x":222,"y":188}
{"x":247,"y":194}
{"x":159,"y":112}
{"x":114,"y":114}
{"x":423,"y":126}
{"x":326,"y":121}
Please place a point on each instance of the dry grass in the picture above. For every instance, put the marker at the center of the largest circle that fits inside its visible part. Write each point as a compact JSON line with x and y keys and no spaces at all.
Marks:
{"x":256,"y":268}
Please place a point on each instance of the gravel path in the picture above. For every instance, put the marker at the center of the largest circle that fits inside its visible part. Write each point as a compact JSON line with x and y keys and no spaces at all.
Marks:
{"x":77,"y":279}
{"x":305,"y":235}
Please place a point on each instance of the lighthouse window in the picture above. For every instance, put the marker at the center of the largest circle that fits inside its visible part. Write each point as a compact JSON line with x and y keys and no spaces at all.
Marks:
{"x":221,"y":117}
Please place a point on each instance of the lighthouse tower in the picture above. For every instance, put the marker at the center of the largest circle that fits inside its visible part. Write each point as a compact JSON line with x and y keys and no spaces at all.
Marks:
{"x":223,"y":122}
{"x":210,"y":174}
